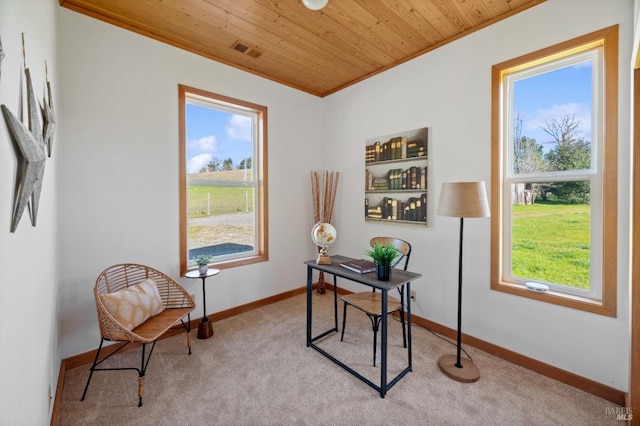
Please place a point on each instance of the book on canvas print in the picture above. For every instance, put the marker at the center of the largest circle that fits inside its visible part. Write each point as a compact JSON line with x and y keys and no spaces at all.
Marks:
{"x":360,"y":266}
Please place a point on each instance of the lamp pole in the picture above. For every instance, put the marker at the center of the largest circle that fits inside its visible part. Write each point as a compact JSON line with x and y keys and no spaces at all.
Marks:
{"x":458,"y":363}
{"x":461,"y":199}
{"x":454,"y":366}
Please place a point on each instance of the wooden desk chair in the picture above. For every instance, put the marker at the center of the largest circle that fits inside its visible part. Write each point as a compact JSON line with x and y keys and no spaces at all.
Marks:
{"x":370,"y":302}
{"x":137,"y":303}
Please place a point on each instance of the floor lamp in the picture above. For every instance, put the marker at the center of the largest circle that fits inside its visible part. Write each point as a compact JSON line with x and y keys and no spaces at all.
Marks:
{"x":461,"y":199}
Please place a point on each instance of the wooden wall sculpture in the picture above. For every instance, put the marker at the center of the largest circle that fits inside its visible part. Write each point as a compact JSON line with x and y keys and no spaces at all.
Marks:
{"x":30,"y":166}
{"x":32,"y":145}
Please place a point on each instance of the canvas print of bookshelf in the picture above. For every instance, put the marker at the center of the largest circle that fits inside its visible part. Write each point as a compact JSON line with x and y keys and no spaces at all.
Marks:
{"x":396,"y":178}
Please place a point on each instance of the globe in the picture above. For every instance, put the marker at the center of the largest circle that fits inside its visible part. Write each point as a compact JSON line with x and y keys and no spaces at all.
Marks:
{"x":323,"y":234}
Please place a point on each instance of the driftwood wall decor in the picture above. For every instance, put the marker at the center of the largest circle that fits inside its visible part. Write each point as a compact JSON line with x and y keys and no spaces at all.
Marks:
{"x":32,"y":144}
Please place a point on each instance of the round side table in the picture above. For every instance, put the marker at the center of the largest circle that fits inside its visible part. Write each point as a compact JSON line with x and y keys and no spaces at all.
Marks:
{"x":205,"y":328}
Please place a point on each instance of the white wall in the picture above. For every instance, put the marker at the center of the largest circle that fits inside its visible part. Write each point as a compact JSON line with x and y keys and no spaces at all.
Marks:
{"x":449,"y":90}
{"x":119,"y":168}
{"x":111,"y":189}
{"x":29,"y":355}
{"x":636,"y":33}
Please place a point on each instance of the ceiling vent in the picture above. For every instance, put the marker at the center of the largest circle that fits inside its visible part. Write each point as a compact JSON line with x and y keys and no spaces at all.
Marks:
{"x":244,"y":49}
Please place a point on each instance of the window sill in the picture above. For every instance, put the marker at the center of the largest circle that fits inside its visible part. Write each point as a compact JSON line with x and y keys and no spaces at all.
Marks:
{"x":229,"y":263}
{"x":240,"y":262}
{"x":568,"y":300}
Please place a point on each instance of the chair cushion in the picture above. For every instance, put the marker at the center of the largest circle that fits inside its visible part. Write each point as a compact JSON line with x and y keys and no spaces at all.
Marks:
{"x":135,"y":304}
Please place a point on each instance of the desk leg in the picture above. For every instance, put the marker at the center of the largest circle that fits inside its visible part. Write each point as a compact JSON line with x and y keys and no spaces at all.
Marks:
{"x":309,"y":301}
{"x":383,"y":344}
{"x":408,"y":299}
{"x":335,"y":301}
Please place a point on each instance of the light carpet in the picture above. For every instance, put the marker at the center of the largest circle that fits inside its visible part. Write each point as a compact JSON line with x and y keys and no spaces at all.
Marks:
{"x":257,"y":370}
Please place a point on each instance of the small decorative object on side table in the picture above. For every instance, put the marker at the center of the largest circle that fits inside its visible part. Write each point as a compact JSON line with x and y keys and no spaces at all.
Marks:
{"x":205,"y":329}
{"x":203,"y":263}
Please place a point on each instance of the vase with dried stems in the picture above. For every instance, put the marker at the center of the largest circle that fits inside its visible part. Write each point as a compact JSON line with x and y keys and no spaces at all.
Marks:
{"x":324,"y":185}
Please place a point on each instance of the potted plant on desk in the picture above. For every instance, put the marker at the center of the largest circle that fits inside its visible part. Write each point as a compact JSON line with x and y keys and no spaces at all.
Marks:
{"x":383,"y":256}
{"x":203,"y":263}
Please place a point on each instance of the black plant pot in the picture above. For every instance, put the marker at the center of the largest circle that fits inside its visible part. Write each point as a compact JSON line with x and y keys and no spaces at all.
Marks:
{"x":384,"y":272}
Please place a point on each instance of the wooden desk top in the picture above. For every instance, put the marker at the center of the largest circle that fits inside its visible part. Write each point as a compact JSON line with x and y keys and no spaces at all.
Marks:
{"x":399,"y":277}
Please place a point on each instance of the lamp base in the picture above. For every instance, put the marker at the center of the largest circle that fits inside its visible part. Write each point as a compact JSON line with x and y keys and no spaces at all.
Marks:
{"x":469,"y":372}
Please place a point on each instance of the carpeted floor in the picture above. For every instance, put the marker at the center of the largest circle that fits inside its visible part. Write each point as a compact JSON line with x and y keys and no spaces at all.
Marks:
{"x":257,"y":370}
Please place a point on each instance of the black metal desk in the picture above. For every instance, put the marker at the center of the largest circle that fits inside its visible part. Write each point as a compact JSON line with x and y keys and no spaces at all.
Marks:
{"x":398,"y":279}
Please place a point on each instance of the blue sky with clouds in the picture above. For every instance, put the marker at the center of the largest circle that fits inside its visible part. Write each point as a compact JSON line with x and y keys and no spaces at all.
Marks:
{"x":554,"y":94}
{"x":216,"y":134}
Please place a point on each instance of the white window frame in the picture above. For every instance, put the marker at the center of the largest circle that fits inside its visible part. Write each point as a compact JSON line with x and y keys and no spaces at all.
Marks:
{"x":593,"y":174}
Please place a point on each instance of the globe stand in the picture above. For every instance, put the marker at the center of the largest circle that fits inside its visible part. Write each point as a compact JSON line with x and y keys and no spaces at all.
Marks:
{"x":323,"y":257}
{"x":323,"y":234}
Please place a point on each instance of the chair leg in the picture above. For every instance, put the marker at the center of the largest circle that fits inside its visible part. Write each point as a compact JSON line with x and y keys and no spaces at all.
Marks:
{"x":95,"y":360}
{"x":404,"y":331}
{"x":140,"y":390}
{"x":375,"y":321}
{"x":143,"y":369}
{"x":141,"y":372}
{"x":375,"y":325}
{"x":344,"y":320}
{"x":404,"y":328}
{"x":188,"y":327}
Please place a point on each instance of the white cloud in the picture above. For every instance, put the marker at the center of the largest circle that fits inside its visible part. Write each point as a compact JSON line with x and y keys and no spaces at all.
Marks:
{"x":195,"y":164}
{"x":202,"y":151}
{"x":581,"y":112}
{"x":204,"y":144}
{"x":239,"y":128}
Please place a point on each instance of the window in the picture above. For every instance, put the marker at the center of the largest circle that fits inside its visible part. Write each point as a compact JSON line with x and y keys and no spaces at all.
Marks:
{"x":554,"y":173}
{"x":223,"y":180}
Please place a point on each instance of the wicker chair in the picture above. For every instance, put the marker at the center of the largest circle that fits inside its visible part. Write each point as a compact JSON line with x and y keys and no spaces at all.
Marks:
{"x":177,"y":304}
{"x":370,"y":302}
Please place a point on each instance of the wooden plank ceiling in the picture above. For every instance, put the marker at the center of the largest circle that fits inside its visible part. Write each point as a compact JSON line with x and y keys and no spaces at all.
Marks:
{"x":319,"y":52}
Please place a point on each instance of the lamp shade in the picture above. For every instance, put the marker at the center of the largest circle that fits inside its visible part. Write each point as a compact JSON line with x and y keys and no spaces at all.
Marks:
{"x":315,"y":4}
{"x":463,"y":199}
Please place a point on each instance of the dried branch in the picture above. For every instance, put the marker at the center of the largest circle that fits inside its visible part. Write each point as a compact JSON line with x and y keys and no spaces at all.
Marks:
{"x":324,"y":186}
{"x":315,"y":195}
